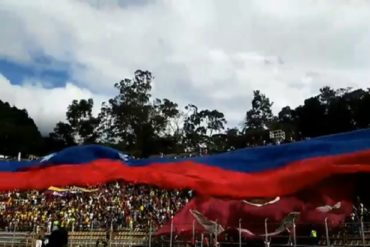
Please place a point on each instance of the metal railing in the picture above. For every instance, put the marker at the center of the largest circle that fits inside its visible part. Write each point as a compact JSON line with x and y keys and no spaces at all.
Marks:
{"x":16,"y":239}
{"x":86,"y":239}
{"x":357,"y":234}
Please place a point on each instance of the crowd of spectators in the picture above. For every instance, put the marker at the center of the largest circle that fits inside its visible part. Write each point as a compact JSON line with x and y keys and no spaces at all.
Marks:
{"x":116,"y":205}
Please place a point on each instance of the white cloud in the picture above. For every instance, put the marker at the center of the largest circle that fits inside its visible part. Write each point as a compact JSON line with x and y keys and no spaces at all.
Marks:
{"x":45,"y":106}
{"x":211,"y":53}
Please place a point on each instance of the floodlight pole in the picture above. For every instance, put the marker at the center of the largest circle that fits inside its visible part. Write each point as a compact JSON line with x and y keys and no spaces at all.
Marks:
{"x":150,"y":234}
{"x":193,"y":232}
{"x":294,"y":233}
{"x":267,"y":242}
{"x":363,"y":232}
{"x":240,"y":232}
{"x":171,"y":235}
{"x":216,"y":233}
{"x":327,"y":232}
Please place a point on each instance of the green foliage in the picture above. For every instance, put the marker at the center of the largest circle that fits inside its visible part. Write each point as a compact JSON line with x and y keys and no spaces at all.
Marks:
{"x":136,"y":123}
{"x":260,"y":116}
{"x":202,"y":127}
{"x":311,"y":118}
{"x":80,"y":128}
{"x":333,"y":111}
{"x":18,"y":132}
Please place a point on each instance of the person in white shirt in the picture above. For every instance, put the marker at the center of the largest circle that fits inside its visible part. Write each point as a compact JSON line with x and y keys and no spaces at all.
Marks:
{"x":38,"y":243}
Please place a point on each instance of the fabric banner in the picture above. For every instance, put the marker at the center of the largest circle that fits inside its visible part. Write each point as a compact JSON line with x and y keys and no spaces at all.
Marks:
{"x":332,"y":200}
{"x":263,"y":172}
{"x":73,"y":189}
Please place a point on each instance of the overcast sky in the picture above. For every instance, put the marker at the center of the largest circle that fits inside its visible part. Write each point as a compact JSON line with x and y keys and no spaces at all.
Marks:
{"x":207,"y":52}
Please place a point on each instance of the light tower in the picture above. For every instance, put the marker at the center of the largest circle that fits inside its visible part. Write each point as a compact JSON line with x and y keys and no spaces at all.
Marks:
{"x":277,"y":135}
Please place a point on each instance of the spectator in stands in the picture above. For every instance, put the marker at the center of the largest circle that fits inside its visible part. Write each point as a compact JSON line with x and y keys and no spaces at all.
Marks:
{"x":116,"y":205}
{"x":38,"y":241}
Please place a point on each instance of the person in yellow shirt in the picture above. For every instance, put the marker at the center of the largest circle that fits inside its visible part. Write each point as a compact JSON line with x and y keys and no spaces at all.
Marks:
{"x":313,"y":233}
{"x":313,"y":236}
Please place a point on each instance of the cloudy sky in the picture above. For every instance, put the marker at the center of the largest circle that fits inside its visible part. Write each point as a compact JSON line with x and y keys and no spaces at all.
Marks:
{"x":207,"y":52}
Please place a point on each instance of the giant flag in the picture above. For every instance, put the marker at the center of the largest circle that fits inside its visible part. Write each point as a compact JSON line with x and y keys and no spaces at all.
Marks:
{"x":268,"y":171}
{"x":331,"y":199}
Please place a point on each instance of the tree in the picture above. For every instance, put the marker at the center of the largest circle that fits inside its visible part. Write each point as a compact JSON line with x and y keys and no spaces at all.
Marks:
{"x":287,"y":122}
{"x":215,"y":120}
{"x":18,"y":132}
{"x":80,"y":128}
{"x":203,"y":127}
{"x":286,"y":115}
{"x":258,"y":120}
{"x":193,"y":130}
{"x":127,"y":117}
{"x":137,"y":124}
{"x":339,"y":116}
{"x":261,"y":114}
{"x":82,"y":121}
{"x":311,"y":118}
{"x":332,"y":111}
{"x":327,"y":94}
{"x":163,"y":116}
{"x":62,"y":135}
{"x":362,"y":117}
{"x":234,"y":139}
{"x":359,"y":101}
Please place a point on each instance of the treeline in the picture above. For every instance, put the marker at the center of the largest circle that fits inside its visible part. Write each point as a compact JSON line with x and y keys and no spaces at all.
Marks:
{"x":18,"y":132}
{"x":135,"y":123}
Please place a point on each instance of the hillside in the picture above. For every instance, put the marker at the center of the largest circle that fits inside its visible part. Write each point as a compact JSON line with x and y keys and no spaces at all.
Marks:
{"x":18,"y":132}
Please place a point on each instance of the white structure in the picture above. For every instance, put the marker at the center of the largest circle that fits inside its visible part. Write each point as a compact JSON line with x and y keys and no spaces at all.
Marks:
{"x":277,"y":135}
